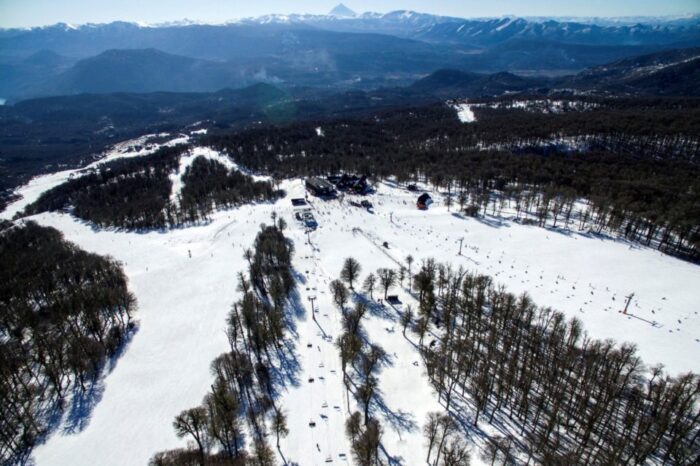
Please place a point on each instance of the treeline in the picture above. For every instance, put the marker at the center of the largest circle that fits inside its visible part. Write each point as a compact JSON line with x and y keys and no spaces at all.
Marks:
{"x":63,"y":313}
{"x":243,"y":396}
{"x":361,"y":360}
{"x":563,"y":397}
{"x":648,"y":194}
{"x":135,"y":193}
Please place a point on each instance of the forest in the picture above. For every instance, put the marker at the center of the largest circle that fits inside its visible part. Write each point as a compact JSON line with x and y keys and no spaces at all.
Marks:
{"x":135,"y":193}
{"x":637,"y":171}
{"x":556,"y":395}
{"x":247,"y":377}
{"x":65,"y":314}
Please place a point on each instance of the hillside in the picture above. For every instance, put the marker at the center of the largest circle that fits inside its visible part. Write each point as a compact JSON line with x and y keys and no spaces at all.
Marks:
{"x":189,"y":271}
{"x":452,"y":83}
{"x":674,"y":72}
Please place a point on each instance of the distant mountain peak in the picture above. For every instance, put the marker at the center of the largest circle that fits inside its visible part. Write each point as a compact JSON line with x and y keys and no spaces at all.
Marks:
{"x":342,"y":11}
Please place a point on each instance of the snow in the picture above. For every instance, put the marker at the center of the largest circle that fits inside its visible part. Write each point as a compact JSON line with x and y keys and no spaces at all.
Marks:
{"x":506,"y":22}
{"x":199,"y":131}
{"x":319,"y":132}
{"x":183,"y":303}
{"x":465,"y":113}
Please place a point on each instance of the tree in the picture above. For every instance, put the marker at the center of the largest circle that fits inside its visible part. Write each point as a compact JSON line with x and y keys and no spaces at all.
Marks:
{"x":497,"y":448}
{"x":368,"y":285}
{"x":402,"y":275}
{"x":349,"y":345}
{"x":448,"y":426}
{"x":340,"y":294}
{"x":353,"y":426}
{"x":365,"y":448}
{"x":222,"y":410}
{"x":365,"y":393}
{"x":279,"y":425}
{"x":421,"y":328}
{"x":406,"y":318}
{"x":350,"y":271}
{"x":193,"y":422}
{"x":387,"y":278}
{"x":409,"y":261}
{"x":262,"y":453}
{"x":455,"y":453}
{"x":430,"y":430}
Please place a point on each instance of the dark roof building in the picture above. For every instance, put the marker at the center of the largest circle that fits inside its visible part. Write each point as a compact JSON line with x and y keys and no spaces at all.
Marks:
{"x":424,"y":200}
{"x":319,"y":187}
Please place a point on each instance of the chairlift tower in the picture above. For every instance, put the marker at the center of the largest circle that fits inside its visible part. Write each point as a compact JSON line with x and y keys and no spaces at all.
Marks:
{"x":313,"y":312}
{"x":627,"y":304}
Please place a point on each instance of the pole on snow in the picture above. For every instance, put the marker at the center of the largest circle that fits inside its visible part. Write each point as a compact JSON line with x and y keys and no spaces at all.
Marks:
{"x":627,"y":304}
{"x":313,"y":313}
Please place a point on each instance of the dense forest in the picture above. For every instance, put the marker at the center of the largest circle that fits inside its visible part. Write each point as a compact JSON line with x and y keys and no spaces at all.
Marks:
{"x":64,"y":313}
{"x":246,"y":378}
{"x":208,"y":185}
{"x":135,"y":193}
{"x":557,"y":395}
{"x":637,"y":170}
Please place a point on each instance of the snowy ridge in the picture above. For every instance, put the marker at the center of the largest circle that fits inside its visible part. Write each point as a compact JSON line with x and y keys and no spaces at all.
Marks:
{"x":426,"y":22}
{"x":31,"y":191}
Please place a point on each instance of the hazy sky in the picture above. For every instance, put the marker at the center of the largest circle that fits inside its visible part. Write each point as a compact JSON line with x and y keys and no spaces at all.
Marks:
{"x":21,"y":13}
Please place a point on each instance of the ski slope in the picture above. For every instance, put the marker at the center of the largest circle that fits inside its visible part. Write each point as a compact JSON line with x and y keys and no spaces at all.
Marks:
{"x":185,"y":282}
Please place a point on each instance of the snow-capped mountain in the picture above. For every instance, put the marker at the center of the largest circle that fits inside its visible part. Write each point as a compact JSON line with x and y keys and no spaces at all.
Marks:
{"x":495,"y":31}
{"x":341,"y":48}
{"x":446,"y":29}
{"x":341,"y":11}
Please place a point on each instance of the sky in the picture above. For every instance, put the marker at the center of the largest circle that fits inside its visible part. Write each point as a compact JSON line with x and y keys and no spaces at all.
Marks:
{"x":25,"y":13}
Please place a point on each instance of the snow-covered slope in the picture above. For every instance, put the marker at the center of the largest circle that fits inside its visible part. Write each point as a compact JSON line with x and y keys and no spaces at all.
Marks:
{"x":184,"y":281}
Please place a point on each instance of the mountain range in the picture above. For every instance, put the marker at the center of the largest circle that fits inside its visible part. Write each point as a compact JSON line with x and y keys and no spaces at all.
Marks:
{"x":341,"y":50}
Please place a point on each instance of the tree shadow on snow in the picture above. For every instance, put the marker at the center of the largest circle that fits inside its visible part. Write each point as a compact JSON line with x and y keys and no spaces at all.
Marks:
{"x":83,"y":402}
{"x":391,"y":460}
{"x":287,"y":368}
{"x":286,"y":372}
{"x":400,"y":421}
{"x":374,"y":308}
{"x":81,"y":406}
{"x":493,"y":222}
{"x":72,"y":414}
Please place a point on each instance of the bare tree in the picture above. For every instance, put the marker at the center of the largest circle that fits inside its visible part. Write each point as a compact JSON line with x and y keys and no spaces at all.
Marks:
{"x":350,"y":271}
{"x":387,"y":278}
{"x":340,"y":294}
{"x":406,"y":319}
{"x":279,"y":425}
{"x":193,"y":422}
{"x":430,"y":430}
{"x":368,"y":285}
{"x":409,"y":261}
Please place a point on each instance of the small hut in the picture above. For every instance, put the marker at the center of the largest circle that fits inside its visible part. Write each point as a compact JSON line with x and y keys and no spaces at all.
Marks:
{"x":424,"y":200}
